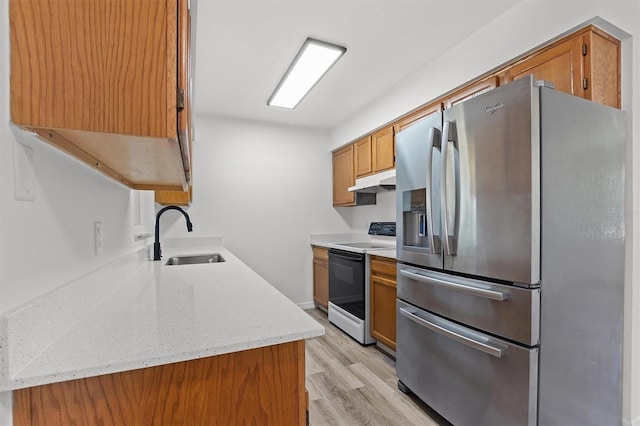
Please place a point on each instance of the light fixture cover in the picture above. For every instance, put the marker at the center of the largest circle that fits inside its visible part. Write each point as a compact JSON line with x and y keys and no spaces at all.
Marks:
{"x":311,"y":63}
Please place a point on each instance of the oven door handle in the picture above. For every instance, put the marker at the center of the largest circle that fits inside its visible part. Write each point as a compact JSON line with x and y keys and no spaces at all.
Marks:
{"x":349,"y":256}
{"x":472,"y":343}
{"x":475,"y":291}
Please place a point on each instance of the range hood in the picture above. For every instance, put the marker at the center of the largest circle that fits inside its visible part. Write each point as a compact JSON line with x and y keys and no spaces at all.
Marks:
{"x":382,"y":181}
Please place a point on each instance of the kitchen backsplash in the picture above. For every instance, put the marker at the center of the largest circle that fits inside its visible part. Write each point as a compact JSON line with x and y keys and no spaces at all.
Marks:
{"x":383,"y":211}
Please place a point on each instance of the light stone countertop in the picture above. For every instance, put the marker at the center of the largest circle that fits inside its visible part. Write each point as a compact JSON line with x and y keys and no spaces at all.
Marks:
{"x":330,"y":241}
{"x":162,"y":314}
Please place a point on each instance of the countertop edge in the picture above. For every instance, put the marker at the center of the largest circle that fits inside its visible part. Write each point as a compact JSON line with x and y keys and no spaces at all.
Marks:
{"x":18,"y":382}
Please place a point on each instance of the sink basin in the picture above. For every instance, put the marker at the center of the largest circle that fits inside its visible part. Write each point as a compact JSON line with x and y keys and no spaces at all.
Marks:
{"x":195,"y":259}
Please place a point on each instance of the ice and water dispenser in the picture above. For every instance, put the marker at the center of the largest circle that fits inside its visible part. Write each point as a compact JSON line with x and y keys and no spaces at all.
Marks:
{"x":415,"y":232}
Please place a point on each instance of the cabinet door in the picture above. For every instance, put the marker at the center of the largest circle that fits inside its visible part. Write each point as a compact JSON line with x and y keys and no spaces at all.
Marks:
{"x":602,"y":68}
{"x":383,"y":300}
{"x":321,"y":283}
{"x":321,"y":277}
{"x":184,"y":85}
{"x":362,"y":153}
{"x":383,"y":148}
{"x":414,"y":117}
{"x":560,"y":64}
{"x":471,"y":91}
{"x":343,"y":177}
{"x":184,"y":108}
{"x":383,"y":310}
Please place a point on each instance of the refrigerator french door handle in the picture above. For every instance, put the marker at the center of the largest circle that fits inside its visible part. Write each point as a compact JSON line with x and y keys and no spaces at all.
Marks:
{"x":443,"y":190}
{"x":481,"y":346}
{"x":433,"y":143}
{"x":475,"y":291}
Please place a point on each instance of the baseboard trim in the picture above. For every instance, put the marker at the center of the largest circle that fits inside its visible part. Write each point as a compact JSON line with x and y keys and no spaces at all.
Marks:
{"x":635,"y":422}
{"x":307,"y":305}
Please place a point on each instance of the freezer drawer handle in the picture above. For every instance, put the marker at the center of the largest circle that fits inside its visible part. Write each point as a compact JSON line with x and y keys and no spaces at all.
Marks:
{"x":487,"y":294}
{"x":488,"y":349}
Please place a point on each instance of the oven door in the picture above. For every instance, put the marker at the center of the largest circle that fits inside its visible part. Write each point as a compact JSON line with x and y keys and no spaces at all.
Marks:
{"x":346,"y":281}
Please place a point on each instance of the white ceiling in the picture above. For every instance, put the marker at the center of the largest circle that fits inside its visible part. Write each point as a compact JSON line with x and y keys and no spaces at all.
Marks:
{"x":243,"y":48}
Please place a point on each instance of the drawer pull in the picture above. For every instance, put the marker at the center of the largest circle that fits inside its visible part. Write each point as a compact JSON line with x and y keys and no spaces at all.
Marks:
{"x":481,"y":346}
{"x":475,"y":291}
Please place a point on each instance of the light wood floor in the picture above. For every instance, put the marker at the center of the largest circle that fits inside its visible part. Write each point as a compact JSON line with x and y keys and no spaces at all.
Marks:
{"x":350,"y":384}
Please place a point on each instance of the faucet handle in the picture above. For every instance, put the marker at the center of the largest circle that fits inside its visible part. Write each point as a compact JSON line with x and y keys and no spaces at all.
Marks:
{"x":157,"y":251}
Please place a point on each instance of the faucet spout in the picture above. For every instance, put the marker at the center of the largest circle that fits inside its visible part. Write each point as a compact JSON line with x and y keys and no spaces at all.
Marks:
{"x":157,"y":251}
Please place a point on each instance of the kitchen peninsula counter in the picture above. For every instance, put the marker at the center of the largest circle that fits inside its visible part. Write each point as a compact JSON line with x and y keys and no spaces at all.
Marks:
{"x":135,"y":313}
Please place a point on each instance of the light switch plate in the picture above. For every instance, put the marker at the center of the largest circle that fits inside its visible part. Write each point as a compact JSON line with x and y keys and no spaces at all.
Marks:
{"x":98,"y":234}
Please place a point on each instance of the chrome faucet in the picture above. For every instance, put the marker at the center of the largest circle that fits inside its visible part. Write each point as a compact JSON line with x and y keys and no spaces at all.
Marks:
{"x":157,"y":251}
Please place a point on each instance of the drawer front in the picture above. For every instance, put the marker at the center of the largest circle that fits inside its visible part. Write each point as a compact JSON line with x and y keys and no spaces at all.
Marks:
{"x":466,"y":376}
{"x":380,"y":265}
{"x":321,"y":253}
{"x":506,"y":311}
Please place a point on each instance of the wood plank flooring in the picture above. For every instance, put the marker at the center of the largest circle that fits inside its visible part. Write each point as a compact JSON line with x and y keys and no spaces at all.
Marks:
{"x":350,"y":384}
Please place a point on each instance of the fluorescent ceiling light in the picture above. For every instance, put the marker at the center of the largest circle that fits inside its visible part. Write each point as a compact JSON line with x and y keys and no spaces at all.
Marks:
{"x":312,"y":62}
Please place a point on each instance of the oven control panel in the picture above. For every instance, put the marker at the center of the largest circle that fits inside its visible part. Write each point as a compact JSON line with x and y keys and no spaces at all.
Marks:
{"x":383,"y":228}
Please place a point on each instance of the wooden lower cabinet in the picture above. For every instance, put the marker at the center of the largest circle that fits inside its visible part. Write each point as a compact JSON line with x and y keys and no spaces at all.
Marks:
{"x":383,"y":300}
{"x":321,"y":277}
{"x":263,"y":386}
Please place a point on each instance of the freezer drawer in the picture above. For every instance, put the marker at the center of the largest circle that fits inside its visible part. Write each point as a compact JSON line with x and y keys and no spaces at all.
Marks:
{"x":503,"y":310}
{"x":468,"y":377}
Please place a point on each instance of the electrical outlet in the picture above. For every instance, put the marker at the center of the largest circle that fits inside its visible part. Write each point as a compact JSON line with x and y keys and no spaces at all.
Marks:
{"x":97,"y":234}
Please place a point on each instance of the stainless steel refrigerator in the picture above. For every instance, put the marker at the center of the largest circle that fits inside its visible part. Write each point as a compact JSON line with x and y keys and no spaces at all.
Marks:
{"x":510,"y":243}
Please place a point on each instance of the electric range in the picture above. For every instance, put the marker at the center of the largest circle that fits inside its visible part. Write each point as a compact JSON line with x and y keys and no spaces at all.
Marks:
{"x":349,"y":304}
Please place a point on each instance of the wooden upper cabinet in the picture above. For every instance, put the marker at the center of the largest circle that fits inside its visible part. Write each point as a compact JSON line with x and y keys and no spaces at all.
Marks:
{"x":471,"y":91}
{"x":343,"y":176}
{"x":107,"y":82}
{"x":363,"y":159}
{"x":383,"y":149}
{"x":419,"y":114}
{"x":185,"y":109}
{"x":602,"y":68}
{"x":174,"y":198}
{"x":585,"y":64}
{"x":560,"y":64}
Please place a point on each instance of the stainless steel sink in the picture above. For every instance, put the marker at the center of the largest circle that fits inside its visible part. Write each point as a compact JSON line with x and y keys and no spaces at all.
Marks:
{"x":195,"y":259}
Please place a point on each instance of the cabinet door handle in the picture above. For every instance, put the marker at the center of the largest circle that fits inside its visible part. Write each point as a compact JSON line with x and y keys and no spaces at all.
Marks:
{"x":472,"y":343}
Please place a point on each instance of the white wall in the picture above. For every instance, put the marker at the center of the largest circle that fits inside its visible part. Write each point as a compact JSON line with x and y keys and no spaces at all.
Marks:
{"x":264,"y":188}
{"x":383,"y":211}
{"x":523,"y":28}
{"x":49,"y":241}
